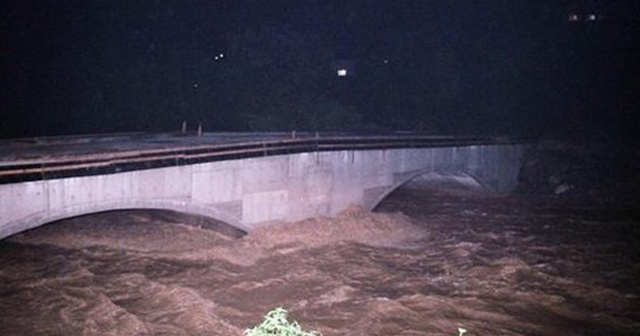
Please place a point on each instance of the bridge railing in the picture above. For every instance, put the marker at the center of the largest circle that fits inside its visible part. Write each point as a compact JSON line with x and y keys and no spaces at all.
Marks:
{"x":183,"y":152}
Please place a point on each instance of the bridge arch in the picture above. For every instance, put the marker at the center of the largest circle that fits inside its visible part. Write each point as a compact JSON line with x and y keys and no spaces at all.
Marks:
{"x":459,"y":178}
{"x":244,"y":184}
{"x":191,"y":208}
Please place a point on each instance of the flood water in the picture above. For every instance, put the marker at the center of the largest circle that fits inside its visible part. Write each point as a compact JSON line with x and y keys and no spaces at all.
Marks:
{"x":425,"y":263}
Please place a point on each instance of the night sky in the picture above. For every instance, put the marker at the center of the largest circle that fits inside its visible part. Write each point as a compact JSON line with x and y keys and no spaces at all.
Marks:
{"x":520,"y":67}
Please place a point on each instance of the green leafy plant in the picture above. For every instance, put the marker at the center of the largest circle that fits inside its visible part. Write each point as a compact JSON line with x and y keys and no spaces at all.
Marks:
{"x":276,"y":324}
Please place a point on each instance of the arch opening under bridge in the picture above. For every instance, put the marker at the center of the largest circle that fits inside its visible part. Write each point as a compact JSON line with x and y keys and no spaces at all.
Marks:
{"x":248,"y":192}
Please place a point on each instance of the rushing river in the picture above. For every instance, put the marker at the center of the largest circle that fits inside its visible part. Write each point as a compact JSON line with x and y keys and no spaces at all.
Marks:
{"x":425,"y":263}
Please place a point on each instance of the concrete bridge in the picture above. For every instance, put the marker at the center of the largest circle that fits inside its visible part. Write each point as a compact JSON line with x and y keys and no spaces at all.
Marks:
{"x":245,"y":180}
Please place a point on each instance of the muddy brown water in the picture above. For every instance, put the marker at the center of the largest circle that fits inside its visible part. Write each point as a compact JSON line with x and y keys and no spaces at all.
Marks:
{"x":425,"y":263}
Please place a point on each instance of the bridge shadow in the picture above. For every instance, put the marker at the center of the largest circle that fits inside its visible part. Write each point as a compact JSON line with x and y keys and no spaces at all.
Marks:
{"x":123,"y":221}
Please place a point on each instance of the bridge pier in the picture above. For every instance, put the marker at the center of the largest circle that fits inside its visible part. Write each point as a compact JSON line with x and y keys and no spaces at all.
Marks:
{"x":256,"y":191}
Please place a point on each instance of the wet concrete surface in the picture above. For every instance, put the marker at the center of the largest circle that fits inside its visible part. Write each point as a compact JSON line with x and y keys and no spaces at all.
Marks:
{"x":14,"y":151}
{"x":63,"y":148}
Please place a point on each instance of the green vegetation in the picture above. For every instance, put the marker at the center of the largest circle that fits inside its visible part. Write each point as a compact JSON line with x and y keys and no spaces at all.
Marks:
{"x":276,"y":324}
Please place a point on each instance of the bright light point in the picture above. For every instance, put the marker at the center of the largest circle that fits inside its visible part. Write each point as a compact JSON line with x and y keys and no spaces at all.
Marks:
{"x":221,"y":55}
{"x":195,"y":85}
{"x":342,"y":72}
{"x":591,"y":17}
{"x":385,"y":61}
{"x":574,"y":17}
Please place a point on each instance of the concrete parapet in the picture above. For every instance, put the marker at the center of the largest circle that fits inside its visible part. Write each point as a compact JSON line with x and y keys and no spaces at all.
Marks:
{"x":256,"y":191}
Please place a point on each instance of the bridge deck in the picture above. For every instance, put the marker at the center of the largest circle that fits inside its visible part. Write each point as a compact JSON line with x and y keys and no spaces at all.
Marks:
{"x":31,"y":150}
{"x":246,"y":180}
{"x":57,"y":157}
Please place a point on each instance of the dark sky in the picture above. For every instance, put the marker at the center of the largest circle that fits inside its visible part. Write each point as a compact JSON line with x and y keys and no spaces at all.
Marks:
{"x":503,"y":66}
